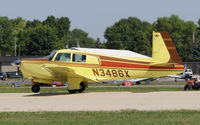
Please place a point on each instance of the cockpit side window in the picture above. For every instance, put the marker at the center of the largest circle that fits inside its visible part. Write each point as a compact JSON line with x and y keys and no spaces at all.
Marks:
{"x":63,"y":57}
{"x":79,"y":58}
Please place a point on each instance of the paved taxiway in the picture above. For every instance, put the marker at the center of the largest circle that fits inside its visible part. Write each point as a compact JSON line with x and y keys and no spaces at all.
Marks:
{"x":105,"y":101}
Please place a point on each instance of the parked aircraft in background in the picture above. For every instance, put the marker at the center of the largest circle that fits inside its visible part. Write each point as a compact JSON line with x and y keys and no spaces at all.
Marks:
{"x":187,"y":75}
{"x":77,"y":66}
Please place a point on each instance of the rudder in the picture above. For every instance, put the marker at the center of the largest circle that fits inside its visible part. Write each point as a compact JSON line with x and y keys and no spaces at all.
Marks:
{"x":164,"y":49}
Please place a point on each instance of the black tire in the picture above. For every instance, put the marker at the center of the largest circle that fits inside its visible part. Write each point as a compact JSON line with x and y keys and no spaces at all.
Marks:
{"x":138,"y":83}
{"x":35,"y":88}
{"x":82,"y":87}
{"x":196,"y":87}
{"x":187,"y":87}
{"x":72,"y":91}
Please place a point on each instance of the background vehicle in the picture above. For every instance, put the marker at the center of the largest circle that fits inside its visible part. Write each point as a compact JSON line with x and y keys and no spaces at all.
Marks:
{"x":193,"y":84}
{"x":2,"y":76}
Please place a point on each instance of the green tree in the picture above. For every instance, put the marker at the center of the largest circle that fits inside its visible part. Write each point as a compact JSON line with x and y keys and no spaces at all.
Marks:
{"x":51,"y":21}
{"x":40,"y":40}
{"x":98,"y":43}
{"x":114,"y":45}
{"x":6,"y":37}
{"x":181,"y":32}
{"x":63,"y":25}
{"x":18,"y":26}
{"x":196,"y":44}
{"x":75,"y":37}
{"x":130,"y":34}
{"x":33,"y":23}
{"x":81,"y":37}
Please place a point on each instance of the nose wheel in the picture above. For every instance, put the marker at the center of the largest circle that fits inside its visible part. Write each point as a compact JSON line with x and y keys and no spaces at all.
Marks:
{"x":35,"y":88}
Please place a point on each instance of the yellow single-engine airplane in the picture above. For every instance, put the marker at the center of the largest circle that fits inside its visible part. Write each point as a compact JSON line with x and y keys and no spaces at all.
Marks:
{"x":77,"y":66}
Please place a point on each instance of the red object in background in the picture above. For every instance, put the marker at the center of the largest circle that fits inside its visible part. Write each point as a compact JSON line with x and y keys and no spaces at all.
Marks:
{"x":58,"y":83}
{"x":191,"y":81}
{"x":128,"y":83}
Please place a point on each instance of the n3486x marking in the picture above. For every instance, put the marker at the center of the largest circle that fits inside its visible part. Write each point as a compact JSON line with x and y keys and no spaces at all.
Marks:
{"x":111,"y":73}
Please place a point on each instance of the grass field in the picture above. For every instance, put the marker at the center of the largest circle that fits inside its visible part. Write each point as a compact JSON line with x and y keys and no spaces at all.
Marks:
{"x":101,"y":118}
{"x":90,"y":89}
{"x":97,"y":118}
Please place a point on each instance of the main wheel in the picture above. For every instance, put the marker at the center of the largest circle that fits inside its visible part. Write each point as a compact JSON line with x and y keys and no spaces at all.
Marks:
{"x":72,"y":91}
{"x":82,"y":87}
{"x":35,"y":88}
{"x":187,"y":87}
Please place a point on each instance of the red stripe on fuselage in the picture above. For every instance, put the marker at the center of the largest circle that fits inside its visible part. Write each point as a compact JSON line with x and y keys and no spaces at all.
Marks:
{"x":121,"y":60}
{"x":39,"y":59}
{"x":139,"y":66}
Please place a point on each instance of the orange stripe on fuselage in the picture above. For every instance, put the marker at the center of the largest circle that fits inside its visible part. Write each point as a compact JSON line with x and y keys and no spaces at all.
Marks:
{"x":121,"y":60}
{"x":139,"y":66}
{"x":39,"y":59}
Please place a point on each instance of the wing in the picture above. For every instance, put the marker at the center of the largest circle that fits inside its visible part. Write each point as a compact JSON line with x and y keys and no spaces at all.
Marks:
{"x":62,"y":72}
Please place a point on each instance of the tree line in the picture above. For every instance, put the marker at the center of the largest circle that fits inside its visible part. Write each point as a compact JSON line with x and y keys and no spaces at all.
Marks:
{"x":41,"y":37}
{"x":136,"y":35}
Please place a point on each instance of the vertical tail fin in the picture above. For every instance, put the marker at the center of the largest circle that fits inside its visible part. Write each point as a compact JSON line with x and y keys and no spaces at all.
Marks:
{"x":164,"y":49}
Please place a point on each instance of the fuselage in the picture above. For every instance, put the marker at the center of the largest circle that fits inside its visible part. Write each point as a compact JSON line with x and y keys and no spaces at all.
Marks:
{"x":96,"y":67}
{"x":77,"y":66}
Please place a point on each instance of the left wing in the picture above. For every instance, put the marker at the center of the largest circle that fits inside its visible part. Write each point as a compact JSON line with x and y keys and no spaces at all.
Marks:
{"x":62,"y":72}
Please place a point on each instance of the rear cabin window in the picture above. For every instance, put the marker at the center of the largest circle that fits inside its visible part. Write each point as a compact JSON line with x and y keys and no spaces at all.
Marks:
{"x":79,"y":58}
{"x":63,"y":57}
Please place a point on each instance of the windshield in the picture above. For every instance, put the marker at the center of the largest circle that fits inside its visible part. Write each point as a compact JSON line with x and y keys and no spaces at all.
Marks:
{"x":52,"y":54}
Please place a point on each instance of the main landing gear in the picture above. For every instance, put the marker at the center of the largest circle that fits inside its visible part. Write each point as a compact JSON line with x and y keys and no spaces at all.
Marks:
{"x":36,"y":88}
{"x":82,"y":88}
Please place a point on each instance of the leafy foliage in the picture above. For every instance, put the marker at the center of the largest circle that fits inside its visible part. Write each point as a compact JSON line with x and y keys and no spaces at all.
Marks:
{"x":135,"y":35}
{"x":6,"y":36}
{"x":39,"y":40}
{"x":40,"y":37}
{"x":129,"y":34}
{"x":181,"y":33}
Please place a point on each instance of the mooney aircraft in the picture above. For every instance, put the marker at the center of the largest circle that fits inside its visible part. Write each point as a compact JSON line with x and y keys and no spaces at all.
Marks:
{"x":77,"y":66}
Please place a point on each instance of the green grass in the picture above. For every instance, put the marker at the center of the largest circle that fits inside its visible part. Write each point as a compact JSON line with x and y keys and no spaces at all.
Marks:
{"x":143,"y":83}
{"x":105,"y":89}
{"x":131,"y":89}
{"x":101,"y":118}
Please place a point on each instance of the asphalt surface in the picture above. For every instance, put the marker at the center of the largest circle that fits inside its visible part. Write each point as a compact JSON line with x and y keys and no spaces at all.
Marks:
{"x":100,"y":101}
